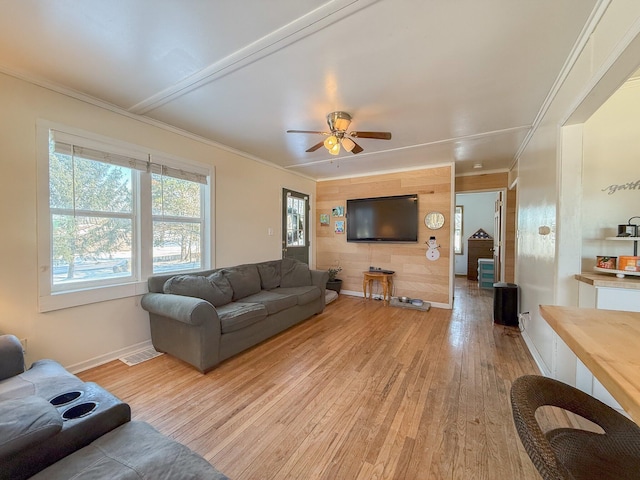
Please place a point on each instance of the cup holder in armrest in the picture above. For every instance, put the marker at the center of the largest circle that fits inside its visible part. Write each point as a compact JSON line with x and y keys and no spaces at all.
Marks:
{"x":65,"y":398}
{"x":80,"y":410}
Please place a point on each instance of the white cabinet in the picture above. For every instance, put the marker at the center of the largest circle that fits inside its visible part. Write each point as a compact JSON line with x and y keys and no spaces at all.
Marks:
{"x":596,"y":291}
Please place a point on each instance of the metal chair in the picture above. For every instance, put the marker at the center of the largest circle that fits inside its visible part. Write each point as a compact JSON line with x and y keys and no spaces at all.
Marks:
{"x":569,"y":453}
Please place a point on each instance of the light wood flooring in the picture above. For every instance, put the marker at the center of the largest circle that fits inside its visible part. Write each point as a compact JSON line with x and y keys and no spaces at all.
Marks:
{"x":361,"y":391}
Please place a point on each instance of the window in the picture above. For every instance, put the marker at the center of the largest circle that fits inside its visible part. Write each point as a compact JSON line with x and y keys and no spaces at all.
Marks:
{"x":457,"y":230}
{"x":177,"y":223}
{"x":114,"y":215}
{"x":296,"y":210}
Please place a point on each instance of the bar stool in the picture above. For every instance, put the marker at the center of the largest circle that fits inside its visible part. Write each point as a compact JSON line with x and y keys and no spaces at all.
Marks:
{"x":569,"y":453}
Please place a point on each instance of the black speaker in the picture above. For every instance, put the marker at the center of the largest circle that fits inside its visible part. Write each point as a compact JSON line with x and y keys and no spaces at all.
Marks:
{"x":505,"y":304}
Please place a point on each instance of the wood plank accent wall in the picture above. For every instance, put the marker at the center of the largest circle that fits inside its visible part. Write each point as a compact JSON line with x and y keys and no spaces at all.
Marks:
{"x":490,"y":181}
{"x":415,"y":276}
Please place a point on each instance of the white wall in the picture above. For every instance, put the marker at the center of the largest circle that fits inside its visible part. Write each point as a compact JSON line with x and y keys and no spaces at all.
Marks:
{"x":247,"y":204}
{"x":478,"y":212}
{"x":611,"y":157}
{"x":608,"y":57}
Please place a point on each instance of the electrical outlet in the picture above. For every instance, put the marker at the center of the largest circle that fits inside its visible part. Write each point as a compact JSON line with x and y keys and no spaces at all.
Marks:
{"x":524,"y":319}
{"x":23,"y":341}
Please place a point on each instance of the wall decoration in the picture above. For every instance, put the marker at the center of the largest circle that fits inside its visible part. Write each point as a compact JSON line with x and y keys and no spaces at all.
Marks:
{"x":338,"y":211}
{"x":434,"y":220}
{"x":324,"y":219}
{"x":339,"y":226}
{"x":611,"y":189}
{"x":432,"y":251}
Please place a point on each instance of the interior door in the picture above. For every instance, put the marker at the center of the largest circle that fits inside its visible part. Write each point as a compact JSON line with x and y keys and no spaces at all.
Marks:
{"x":295,"y":225}
{"x":498,"y":218}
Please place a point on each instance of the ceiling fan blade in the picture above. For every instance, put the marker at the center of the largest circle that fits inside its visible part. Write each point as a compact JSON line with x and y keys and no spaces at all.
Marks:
{"x":315,"y":147}
{"x":308,"y":131}
{"x":357,"y":148}
{"x":378,"y":135}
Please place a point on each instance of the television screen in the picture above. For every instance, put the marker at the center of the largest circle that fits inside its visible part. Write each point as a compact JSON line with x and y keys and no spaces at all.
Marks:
{"x":383,"y":219}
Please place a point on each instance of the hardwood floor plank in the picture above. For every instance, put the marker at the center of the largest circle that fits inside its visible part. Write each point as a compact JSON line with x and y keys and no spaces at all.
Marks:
{"x":361,"y":391}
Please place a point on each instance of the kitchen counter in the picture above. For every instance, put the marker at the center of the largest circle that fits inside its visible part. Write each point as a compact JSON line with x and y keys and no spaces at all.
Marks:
{"x":608,"y":280}
{"x":608,"y":343}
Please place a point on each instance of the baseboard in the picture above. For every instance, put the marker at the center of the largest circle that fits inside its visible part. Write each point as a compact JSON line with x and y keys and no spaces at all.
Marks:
{"x":536,"y":356}
{"x":108,"y":357}
{"x":354,"y":293}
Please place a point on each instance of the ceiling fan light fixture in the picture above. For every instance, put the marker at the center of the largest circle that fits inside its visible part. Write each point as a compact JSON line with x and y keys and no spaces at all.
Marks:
{"x":335,"y":150}
{"x":348,"y":144}
{"x":330,"y":142}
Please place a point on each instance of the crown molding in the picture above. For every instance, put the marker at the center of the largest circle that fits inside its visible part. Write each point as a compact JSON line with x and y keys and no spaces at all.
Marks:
{"x":74,"y":94}
{"x":280,"y":38}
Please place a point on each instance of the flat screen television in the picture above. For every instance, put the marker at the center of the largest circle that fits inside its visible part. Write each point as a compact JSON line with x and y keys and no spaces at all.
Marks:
{"x":383,"y":219}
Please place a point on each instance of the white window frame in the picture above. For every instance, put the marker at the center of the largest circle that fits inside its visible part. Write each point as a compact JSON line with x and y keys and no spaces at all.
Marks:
{"x":142,"y":250}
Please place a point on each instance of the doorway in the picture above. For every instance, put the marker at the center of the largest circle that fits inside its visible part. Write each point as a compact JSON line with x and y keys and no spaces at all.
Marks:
{"x":484,"y":211}
{"x":295,"y":225}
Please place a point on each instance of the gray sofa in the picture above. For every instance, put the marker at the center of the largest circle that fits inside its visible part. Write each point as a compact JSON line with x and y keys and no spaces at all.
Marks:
{"x":209,"y":316}
{"x":55,"y":426}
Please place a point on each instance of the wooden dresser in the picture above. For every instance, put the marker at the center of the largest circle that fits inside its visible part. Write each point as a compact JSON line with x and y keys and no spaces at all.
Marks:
{"x":477,"y":248}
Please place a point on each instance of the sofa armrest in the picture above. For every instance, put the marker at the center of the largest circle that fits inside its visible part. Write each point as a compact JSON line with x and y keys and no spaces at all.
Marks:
{"x":319,"y":278}
{"x":11,"y":356}
{"x":25,"y":422}
{"x":189,"y":310}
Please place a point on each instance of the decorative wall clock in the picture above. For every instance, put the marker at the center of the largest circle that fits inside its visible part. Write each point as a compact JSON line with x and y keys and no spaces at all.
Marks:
{"x":434,"y":220}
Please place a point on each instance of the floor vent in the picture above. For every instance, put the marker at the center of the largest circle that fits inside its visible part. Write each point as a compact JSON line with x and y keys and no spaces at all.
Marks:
{"x":141,"y":356}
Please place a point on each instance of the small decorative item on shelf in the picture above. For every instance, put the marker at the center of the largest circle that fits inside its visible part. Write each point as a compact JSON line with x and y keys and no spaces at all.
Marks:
{"x":606,"y":262}
{"x":628,"y":230}
{"x":334,"y":283}
{"x":629,"y":263}
{"x":480,"y":233}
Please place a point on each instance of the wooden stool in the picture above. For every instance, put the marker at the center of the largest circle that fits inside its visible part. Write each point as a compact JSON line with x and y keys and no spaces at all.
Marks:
{"x":386,"y":279}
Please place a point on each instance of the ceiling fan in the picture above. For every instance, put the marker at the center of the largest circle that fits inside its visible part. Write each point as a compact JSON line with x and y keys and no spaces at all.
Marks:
{"x":337,"y":136}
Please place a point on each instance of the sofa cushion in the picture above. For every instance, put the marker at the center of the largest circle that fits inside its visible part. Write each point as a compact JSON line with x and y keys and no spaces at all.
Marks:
{"x":132,"y":451}
{"x":270,"y":274}
{"x":215,"y":288}
{"x":303,"y":295}
{"x":294,"y":273}
{"x":244,"y":279}
{"x":220,"y":283}
{"x":25,"y":422}
{"x":238,"y":315}
{"x":275,"y":302}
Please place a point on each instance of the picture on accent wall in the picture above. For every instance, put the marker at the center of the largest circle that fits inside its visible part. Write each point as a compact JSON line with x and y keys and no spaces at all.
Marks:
{"x":338,"y":211}
{"x":339,"y":227}
{"x":324,"y":219}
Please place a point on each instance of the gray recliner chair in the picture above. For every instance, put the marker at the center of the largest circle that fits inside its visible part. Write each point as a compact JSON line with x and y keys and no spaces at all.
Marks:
{"x":55,"y":426}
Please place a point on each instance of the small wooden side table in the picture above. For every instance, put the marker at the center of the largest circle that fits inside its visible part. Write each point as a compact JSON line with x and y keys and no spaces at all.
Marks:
{"x":386,"y":279}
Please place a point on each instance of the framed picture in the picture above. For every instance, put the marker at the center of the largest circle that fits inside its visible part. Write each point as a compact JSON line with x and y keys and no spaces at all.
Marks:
{"x":324,"y":219}
{"x":339,"y":227}
{"x":338,"y":211}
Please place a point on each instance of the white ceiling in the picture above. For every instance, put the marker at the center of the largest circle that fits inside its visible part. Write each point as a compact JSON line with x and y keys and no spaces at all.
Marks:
{"x":453,"y":80}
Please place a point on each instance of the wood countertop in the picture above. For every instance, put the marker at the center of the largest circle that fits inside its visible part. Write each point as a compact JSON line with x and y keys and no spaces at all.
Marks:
{"x":608,"y":343}
{"x":606,"y":280}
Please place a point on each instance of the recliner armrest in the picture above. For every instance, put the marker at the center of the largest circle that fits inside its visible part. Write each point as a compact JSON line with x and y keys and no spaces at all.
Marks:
{"x":25,"y":422}
{"x":11,"y":356}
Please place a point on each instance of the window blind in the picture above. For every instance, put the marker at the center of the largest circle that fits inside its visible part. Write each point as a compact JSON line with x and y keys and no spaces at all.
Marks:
{"x":76,"y":146}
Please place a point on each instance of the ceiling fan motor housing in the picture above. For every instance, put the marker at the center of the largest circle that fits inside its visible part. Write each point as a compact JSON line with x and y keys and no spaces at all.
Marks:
{"x":338,"y":121}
